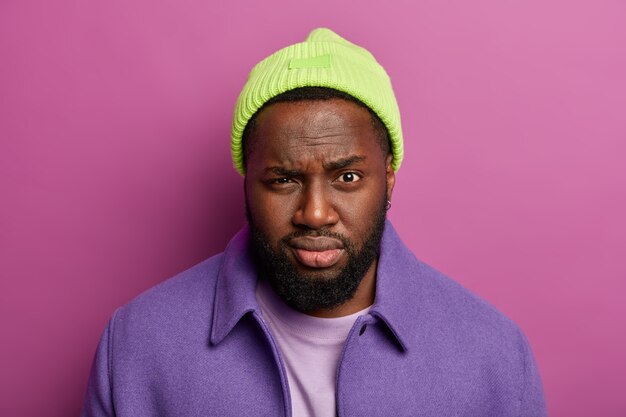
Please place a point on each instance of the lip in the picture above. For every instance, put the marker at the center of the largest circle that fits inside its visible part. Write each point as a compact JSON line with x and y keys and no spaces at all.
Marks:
{"x":315,"y":243}
{"x":317,"y":252}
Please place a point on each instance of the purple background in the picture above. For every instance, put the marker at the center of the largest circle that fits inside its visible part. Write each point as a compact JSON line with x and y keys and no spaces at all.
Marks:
{"x":115,"y":170}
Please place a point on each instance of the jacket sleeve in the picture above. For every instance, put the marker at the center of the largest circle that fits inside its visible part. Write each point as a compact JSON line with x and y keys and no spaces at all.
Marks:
{"x":98,"y":400}
{"x":532,"y":399}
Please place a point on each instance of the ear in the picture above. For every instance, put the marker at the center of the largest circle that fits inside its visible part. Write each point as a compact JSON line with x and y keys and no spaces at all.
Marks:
{"x":391,"y":175}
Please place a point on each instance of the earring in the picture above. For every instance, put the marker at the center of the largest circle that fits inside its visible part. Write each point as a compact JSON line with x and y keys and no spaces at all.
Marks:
{"x":388,"y":206}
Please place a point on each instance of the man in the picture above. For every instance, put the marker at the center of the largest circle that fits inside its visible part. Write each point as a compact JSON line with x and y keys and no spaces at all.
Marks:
{"x":316,"y":308}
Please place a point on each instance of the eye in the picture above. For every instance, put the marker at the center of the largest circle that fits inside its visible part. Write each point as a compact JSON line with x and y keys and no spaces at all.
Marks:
{"x":349,"y":177}
{"x":277,"y":182}
{"x":281,"y":180}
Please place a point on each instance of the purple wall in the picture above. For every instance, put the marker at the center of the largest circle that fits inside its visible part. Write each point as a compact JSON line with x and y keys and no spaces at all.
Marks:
{"x":115,"y":170}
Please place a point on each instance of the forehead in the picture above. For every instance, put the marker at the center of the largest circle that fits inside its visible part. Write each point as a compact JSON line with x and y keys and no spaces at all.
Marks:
{"x":299,"y":134}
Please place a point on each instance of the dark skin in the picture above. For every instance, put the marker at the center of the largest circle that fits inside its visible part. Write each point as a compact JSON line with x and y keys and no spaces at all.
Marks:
{"x":318,"y":165}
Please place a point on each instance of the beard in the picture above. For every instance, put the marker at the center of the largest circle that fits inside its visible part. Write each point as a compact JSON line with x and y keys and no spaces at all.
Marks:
{"x":307,"y":292}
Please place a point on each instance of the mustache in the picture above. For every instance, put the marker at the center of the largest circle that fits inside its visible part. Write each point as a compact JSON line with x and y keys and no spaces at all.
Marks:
{"x":317,"y":233}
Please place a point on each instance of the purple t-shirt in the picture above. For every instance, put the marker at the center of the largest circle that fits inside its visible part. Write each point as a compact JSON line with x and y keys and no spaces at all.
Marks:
{"x":310,"y":348}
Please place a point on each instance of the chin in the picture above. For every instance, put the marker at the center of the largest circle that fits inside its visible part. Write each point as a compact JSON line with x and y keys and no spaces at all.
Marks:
{"x":319,"y":275}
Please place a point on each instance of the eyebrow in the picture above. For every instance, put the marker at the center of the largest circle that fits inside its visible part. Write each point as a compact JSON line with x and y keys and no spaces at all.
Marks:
{"x":283,"y":171}
{"x":343,"y":163}
{"x":329,"y":166}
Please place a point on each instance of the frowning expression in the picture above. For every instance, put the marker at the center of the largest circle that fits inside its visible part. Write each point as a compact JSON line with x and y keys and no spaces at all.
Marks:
{"x":316,"y":180}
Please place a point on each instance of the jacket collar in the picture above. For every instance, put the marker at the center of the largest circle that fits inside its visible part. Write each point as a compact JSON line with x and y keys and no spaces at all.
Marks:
{"x":397,"y":288}
{"x":235,"y":287}
{"x":396,"y":302}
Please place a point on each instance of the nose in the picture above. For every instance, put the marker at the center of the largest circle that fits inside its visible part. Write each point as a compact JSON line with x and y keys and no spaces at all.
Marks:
{"x":315,"y":209}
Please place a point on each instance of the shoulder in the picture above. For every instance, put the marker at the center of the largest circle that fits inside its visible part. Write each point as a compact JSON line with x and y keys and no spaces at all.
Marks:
{"x":177,"y":302}
{"x":425,"y":302}
{"x":466,"y":331}
{"x":481,"y":342}
{"x":444,"y":300}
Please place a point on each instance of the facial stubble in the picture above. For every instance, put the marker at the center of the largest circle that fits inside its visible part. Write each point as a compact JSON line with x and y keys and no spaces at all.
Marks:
{"x":305,"y":291}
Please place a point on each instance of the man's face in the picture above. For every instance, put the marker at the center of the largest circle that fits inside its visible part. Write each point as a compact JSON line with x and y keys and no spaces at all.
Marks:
{"x":317,"y":182}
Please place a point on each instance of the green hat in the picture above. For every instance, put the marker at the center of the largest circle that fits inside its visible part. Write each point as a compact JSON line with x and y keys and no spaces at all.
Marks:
{"x":325,"y":59}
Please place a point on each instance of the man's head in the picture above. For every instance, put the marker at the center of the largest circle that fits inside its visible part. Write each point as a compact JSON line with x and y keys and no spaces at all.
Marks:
{"x":317,"y":184}
{"x":316,"y":133}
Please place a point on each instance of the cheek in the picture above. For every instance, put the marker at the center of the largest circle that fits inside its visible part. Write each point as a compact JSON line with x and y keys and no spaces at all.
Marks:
{"x":271,"y":213}
{"x":359,"y":212}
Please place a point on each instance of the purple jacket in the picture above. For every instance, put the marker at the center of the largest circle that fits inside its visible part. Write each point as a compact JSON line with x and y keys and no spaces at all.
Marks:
{"x":197,"y":345}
